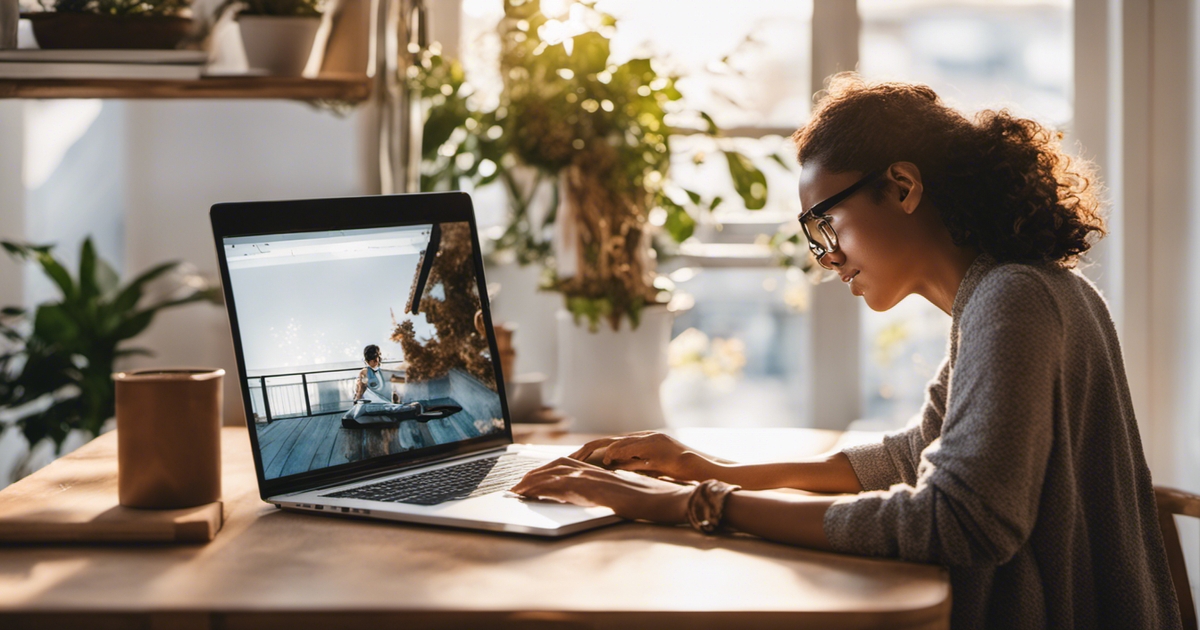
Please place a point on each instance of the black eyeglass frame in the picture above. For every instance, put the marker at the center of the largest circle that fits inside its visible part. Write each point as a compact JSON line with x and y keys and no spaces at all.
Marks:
{"x":819,"y":209}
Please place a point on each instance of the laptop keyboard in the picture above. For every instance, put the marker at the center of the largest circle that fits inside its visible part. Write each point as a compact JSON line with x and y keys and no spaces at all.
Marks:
{"x":461,"y":481}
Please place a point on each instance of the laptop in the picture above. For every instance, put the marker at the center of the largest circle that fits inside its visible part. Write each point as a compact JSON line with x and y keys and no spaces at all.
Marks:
{"x":368,"y":364}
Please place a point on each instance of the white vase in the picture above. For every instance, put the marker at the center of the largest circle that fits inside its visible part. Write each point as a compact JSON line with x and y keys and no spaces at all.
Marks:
{"x":608,"y":381}
{"x":280,"y":45}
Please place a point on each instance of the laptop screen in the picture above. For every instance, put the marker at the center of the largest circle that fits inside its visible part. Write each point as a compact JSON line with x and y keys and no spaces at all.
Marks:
{"x":361,"y":343}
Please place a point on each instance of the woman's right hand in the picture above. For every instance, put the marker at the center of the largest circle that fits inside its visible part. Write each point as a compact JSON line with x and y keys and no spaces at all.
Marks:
{"x":651,"y":453}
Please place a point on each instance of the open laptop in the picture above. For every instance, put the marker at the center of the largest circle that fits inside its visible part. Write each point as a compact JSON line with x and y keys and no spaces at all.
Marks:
{"x":420,"y":432}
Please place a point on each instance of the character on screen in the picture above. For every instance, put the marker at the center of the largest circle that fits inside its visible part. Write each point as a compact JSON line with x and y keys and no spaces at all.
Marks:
{"x":375,"y":402}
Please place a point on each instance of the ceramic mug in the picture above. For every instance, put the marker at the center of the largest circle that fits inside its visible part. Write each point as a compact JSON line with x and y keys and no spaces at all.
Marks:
{"x":169,"y":437}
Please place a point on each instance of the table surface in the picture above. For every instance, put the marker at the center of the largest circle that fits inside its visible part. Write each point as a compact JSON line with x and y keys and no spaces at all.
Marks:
{"x":274,"y":569}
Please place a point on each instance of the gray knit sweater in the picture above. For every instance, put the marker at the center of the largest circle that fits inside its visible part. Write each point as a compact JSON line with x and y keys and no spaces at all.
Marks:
{"x":1024,"y":472}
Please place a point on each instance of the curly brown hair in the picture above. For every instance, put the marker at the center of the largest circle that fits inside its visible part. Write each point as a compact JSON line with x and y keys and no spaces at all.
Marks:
{"x":1001,"y":184}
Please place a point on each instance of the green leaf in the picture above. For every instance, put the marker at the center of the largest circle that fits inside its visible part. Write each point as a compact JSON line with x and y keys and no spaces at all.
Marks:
{"x":12,"y":311}
{"x":107,"y":279}
{"x":87,"y":270}
{"x":750,"y":183}
{"x":589,"y":53}
{"x":711,"y":125}
{"x":693,"y":195}
{"x":640,"y":70}
{"x":57,"y":273}
{"x":780,"y":161}
{"x":54,"y":325}
{"x":438,"y":128}
{"x":128,"y":298}
{"x":679,"y":224}
{"x":715,"y":202}
{"x":135,"y":324}
{"x":673,"y":93}
{"x":24,"y":251}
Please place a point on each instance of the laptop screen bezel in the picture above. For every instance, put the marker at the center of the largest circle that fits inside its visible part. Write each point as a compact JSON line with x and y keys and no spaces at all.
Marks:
{"x":263,"y":218}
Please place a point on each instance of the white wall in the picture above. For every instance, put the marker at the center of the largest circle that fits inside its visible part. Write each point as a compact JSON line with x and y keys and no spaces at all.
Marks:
{"x":1187,"y":422}
{"x":183,"y":157}
{"x":140,"y":179}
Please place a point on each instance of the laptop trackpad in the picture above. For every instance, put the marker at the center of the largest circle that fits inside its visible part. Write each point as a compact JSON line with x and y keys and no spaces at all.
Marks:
{"x":503,"y":507}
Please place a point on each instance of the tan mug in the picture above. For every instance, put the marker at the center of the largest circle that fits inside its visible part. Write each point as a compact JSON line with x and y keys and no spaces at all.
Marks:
{"x":169,"y":437}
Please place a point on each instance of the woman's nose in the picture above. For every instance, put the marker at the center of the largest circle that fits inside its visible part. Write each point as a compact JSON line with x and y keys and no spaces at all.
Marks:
{"x":834,"y":259}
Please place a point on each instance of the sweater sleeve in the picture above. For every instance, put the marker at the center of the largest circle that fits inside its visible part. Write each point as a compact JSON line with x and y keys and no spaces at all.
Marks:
{"x":978,"y":485}
{"x":895,"y":459}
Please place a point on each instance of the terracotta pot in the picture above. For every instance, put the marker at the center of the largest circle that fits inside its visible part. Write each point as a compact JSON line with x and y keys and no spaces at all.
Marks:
{"x":168,"y":437}
{"x":280,"y":45}
{"x":91,"y":31}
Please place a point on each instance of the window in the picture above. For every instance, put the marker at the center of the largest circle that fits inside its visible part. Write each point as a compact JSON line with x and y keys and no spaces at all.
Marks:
{"x":1014,"y":54}
{"x":744,"y":358}
{"x":750,"y":71}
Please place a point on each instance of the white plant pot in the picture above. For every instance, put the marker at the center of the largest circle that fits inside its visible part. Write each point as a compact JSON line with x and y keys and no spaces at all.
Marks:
{"x":280,"y":45}
{"x":608,"y":381}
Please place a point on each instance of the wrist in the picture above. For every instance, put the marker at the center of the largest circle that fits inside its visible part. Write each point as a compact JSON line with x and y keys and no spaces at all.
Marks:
{"x":706,"y":505}
{"x":700,"y":468}
{"x":677,"y":506}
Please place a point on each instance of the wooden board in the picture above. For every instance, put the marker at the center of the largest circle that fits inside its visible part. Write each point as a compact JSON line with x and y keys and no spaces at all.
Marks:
{"x":74,"y":500}
{"x":350,"y":88}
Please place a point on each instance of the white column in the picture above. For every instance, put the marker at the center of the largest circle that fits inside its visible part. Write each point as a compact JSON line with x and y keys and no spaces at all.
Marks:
{"x":12,"y":198}
{"x":1187,"y":417}
{"x":1089,"y":135}
{"x":833,"y":361}
{"x":445,"y":25}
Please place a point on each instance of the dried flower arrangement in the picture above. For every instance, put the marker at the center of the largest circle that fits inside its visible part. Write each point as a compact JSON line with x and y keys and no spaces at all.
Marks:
{"x":458,"y":343}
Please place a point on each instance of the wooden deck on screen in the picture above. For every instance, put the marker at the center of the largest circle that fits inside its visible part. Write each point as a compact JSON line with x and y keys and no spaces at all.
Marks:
{"x":307,"y":443}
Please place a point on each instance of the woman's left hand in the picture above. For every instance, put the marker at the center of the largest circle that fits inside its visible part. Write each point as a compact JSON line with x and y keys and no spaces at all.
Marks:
{"x":630,"y":495}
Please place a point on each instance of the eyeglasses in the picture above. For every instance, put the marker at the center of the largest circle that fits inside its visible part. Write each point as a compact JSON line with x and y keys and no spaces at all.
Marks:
{"x":822,"y":239}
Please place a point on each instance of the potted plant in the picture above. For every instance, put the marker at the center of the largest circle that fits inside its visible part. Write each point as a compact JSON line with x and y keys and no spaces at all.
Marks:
{"x":278,"y":35}
{"x":598,"y":134}
{"x":56,"y":363}
{"x":100,"y":24}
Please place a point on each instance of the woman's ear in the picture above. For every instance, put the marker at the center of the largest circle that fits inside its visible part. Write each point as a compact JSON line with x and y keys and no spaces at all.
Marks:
{"x":907,"y":178}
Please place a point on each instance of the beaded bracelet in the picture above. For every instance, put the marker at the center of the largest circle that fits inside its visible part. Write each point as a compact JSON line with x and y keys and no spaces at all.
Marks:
{"x":706,"y":505}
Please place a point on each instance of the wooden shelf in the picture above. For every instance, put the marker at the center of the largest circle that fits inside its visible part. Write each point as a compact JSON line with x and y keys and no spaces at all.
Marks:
{"x":351,"y":88}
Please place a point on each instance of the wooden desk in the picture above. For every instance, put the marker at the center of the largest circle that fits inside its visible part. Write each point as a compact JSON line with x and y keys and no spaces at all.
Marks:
{"x":274,"y":569}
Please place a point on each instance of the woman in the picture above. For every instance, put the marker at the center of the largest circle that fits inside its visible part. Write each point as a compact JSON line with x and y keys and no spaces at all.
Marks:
{"x":372,"y":384}
{"x":1023,"y":473}
{"x":374,"y":401}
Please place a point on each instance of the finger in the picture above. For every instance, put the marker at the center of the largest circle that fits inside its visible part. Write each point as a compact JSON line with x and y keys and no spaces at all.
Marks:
{"x":558,"y":489}
{"x":587,"y":449}
{"x":628,"y":450}
{"x":555,"y":463}
{"x":533,"y":480}
{"x":635,"y":464}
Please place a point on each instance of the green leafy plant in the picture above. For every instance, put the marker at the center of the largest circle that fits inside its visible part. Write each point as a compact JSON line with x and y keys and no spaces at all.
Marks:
{"x":60,"y":357}
{"x":148,"y":8}
{"x":596,"y":131}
